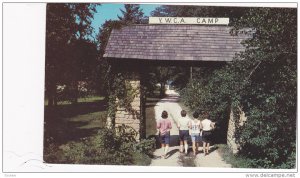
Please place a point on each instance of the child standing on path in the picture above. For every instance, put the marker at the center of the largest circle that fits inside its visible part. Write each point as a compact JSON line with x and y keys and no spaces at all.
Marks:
{"x":164,"y":125}
{"x":195,"y":126}
{"x":208,"y":125}
{"x":183,"y":126}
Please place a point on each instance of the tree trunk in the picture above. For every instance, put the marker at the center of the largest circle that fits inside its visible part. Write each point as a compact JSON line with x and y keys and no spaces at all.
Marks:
{"x":50,"y":100}
{"x":55,"y":100}
{"x":143,"y":105}
{"x":51,"y":94}
{"x":74,"y":90}
{"x":162,"y":89}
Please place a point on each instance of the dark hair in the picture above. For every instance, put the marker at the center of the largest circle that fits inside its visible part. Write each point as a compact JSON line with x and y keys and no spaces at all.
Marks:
{"x":183,"y":113}
{"x":164,"y":114}
{"x":195,"y":114}
{"x":206,"y":115}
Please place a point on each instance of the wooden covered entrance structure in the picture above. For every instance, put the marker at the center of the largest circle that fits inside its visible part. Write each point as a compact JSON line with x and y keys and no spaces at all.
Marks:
{"x":131,"y":48}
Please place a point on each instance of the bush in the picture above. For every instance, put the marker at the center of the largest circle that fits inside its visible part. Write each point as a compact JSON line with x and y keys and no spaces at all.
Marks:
{"x":52,"y":154}
{"x":263,"y":82}
{"x":146,"y":146}
{"x":107,"y":147}
{"x":141,"y":159}
{"x":237,"y":161}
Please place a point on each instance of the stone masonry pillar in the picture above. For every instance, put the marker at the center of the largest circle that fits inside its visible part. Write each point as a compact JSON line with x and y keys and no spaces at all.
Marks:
{"x":233,"y":124}
{"x":132,"y":116}
{"x":231,"y":134}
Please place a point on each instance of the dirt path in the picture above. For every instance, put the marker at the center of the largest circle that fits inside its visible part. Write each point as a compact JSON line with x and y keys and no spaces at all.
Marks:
{"x":212,"y":160}
{"x":170,"y":104}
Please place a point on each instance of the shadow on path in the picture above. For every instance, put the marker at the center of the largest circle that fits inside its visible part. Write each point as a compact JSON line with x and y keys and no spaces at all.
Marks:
{"x":172,"y":152}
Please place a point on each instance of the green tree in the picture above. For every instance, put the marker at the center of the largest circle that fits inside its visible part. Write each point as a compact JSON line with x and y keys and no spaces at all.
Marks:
{"x":132,"y":14}
{"x":176,"y":76}
{"x":270,"y":89}
{"x":84,"y":14}
{"x":103,"y":67}
{"x":60,"y":30}
{"x":262,"y":82}
{"x":66,"y":25}
{"x":161,"y":75}
{"x":80,"y":68}
{"x":114,"y":81}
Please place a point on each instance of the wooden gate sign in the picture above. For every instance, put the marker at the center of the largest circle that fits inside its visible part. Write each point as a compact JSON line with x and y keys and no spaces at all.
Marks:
{"x":189,"y":20}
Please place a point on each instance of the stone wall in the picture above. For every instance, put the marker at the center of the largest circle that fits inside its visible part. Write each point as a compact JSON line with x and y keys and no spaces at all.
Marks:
{"x":235,"y":121}
{"x":131,"y":116}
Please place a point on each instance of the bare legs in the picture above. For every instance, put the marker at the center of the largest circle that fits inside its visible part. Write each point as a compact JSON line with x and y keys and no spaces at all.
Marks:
{"x":165,"y":149}
{"x":205,"y":147}
{"x":185,"y":144}
{"x":195,"y":147}
{"x":181,"y":146}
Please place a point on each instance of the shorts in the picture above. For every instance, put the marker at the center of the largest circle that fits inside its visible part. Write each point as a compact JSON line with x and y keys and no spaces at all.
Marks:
{"x":183,"y":135}
{"x":206,"y":136}
{"x":196,"y":137}
{"x":165,"y":139}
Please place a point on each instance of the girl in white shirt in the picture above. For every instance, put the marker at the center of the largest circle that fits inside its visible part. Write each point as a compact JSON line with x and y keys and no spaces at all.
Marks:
{"x":207,"y":126}
{"x":183,"y":126}
{"x":195,"y":127}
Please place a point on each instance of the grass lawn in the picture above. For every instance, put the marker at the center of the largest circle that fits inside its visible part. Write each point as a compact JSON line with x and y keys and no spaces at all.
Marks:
{"x":88,"y":99}
{"x":91,"y":120}
{"x":67,"y":122}
{"x":69,"y":131}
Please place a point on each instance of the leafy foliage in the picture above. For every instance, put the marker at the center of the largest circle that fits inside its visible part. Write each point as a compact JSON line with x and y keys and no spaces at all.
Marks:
{"x":116,"y":85}
{"x":161,"y":75}
{"x":270,"y":98}
{"x":121,"y":93}
{"x":132,"y":14}
{"x":261,"y":82}
{"x":70,"y":55}
{"x":102,"y":75}
{"x":107,"y":147}
{"x":237,"y":161}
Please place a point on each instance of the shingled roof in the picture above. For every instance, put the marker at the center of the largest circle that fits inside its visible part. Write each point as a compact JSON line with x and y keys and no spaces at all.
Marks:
{"x":174,"y":42}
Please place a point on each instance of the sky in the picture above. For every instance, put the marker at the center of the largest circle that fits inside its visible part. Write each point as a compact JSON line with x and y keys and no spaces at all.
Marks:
{"x":111,"y":11}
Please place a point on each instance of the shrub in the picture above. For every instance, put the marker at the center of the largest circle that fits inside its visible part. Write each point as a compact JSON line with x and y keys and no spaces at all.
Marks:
{"x":141,"y":159}
{"x":52,"y":154}
{"x":108,"y":147}
{"x":263,"y":82}
{"x":146,"y":146}
{"x":235,"y":160}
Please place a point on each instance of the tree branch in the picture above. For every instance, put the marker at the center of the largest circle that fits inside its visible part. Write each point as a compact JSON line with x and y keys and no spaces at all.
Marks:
{"x":253,"y":70}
